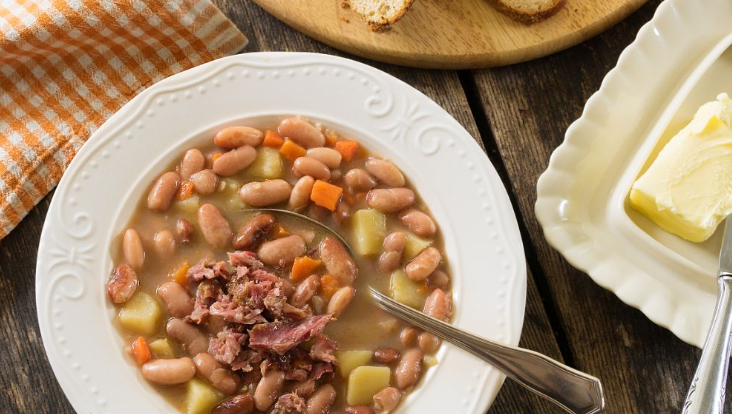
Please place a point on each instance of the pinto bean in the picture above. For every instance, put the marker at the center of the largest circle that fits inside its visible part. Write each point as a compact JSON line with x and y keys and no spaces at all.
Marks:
{"x":190,"y":338}
{"x":268,"y":389}
{"x":386,"y":355}
{"x":305,"y":291}
{"x":193,"y":162}
{"x":336,"y":174}
{"x":230,"y":163}
{"x":439,"y":279}
{"x":438,"y":305}
{"x":318,"y":304}
{"x":310,"y":166}
{"x":394,"y":245}
{"x":300,"y":195}
{"x":238,"y":404}
{"x":358,"y":180}
{"x":164,"y":244}
{"x":385,"y":171}
{"x":184,"y":229}
{"x":340,"y":300}
{"x":328,"y":156}
{"x":302,"y":132}
{"x":341,"y":213}
{"x":358,"y":409}
{"x":133,"y":250}
{"x":238,"y":136}
{"x":390,"y":200}
{"x":321,"y":401}
{"x":256,"y":231}
{"x":162,"y":192}
{"x":265,"y":193}
{"x":424,"y":264}
{"x":387,"y":399}
{"x":409,"y":369}
{"x":408,"y":336}
{"x":283,"y":250}
{"x":337,"y":261}
{"x":176,"y":299}
{"x":418,"y":222}
{"x":318,"y":213}
{"x":168,"y":371}
{"x":122,"y":284}
{"x":205,"y":182}
{"x":221,"y":378}
{"x":214,"y":226}
{"x":428,"y":343}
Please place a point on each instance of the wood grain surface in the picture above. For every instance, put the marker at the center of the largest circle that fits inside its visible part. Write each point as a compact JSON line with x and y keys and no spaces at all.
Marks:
{"x":519,"y":113}
{"x":451,"y":34}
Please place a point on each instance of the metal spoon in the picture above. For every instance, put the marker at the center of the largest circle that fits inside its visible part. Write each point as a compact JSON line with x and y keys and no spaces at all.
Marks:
{"x":570,"y":389}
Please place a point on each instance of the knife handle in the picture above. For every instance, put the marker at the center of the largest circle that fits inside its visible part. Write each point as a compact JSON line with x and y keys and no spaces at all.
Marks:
{"x":706,"y":392}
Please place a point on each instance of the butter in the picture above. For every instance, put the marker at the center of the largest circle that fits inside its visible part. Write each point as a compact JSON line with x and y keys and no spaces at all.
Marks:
{"x":687,"y":190}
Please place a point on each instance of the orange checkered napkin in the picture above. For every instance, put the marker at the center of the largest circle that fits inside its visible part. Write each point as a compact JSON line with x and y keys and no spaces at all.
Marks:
{"x":68,"y":65}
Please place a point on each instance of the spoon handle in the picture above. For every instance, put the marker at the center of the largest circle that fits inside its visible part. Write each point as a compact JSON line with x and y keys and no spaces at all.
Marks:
{"x":572,"y":390}
{"x":706,"y":392}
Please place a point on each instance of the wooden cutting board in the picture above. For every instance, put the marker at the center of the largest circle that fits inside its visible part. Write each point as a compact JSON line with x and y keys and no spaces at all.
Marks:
{"x":451,"y":34}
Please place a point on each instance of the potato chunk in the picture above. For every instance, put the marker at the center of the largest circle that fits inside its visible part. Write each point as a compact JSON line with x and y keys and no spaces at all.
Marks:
{"x":404,"y":290}
{"x":267,"y":165}
{"x":415,"y":245}
{"x":200,"y":397}
{"x":140,"y":314}
{"x":163,"y":348}
{"x":350,"y":360}
{"x":364,"y":382}
{"x":369,"y":230}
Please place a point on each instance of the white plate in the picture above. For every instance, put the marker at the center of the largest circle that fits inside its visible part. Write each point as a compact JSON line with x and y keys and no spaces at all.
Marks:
{"x":109,"y":175}
{"x":678,"y":62}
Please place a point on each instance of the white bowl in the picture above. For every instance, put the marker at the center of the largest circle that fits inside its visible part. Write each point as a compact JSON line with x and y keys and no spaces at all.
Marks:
{"x":679,"y":61}
{"x":97,"y":195}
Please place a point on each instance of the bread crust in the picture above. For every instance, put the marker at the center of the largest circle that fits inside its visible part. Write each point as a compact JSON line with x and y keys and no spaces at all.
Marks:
{"x":385,"y":24}
{"x":527,"y":18}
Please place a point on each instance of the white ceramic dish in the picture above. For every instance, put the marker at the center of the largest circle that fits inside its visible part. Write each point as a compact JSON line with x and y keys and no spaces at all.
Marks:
{"x":113,"y":170}
{"x":678,"y":61}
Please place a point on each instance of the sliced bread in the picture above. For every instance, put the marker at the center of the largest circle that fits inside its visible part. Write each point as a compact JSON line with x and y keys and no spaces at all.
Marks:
{"x":528,"y":11}
{"x":380,"y":14}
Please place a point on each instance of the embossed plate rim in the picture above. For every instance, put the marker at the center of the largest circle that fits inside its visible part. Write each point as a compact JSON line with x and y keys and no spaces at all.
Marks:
{"x":74,"y":259}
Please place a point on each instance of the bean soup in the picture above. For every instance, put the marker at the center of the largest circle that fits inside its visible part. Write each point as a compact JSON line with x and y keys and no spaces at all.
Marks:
{"x":231,"y":309}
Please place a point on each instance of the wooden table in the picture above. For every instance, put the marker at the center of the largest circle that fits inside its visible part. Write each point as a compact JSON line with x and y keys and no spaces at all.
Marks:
{"x":520,"y":114}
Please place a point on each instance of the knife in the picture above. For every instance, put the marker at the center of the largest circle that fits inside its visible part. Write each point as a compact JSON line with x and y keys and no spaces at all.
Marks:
{"x":706,"y":392}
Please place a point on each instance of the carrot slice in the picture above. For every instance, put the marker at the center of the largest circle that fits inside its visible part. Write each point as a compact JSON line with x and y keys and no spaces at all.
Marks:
{"x":292,"y":151}
{"x":185,"y":190}
{"x":326,"y":195}
{"x":348,"y":149}
{"x":140,"y":350}
{"x":216,"y":156}
{"x":272,"y":139}
{"x":328,"y":286}
{"x":180,"y":274}
{"x":330,"y":140}
{"x":281,"y":232}
{"x":303,"y":267}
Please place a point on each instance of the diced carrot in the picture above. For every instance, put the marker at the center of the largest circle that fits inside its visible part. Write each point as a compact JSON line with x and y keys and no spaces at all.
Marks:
{"x":216,"y":156}
{"x":281,"y":232}
{"x":140,"y":350}
{"x":272,"y":139}
{"x":326,"y":195}
{"x":185,"y":190}
{"x":330,"y":140}
{"x":292,"y":151}
{"x":180,"y":274}
{"x":303,"y":267}
{"x":328,"y":286}
{"x":348,"y":149}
